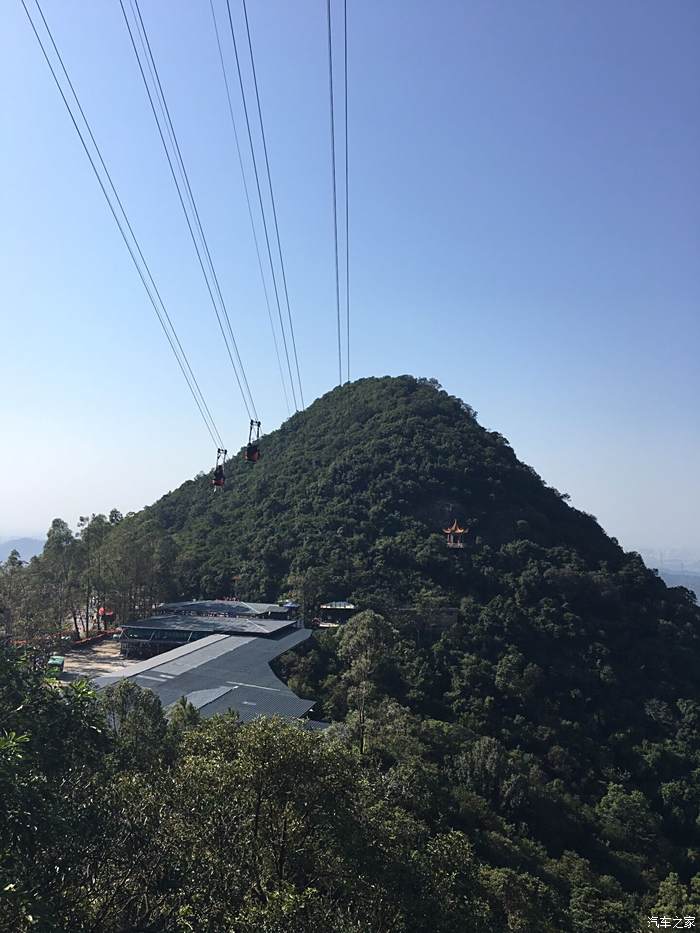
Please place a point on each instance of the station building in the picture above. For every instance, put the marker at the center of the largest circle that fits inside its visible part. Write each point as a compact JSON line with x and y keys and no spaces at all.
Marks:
{"x":217,"y":655}
{"x":182,"y":623}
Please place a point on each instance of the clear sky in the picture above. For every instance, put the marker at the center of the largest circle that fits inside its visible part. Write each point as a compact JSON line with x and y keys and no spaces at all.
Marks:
{"x":524,"y":226}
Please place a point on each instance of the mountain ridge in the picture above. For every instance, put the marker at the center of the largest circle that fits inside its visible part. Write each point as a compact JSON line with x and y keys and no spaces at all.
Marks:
{"x":389,"y":462}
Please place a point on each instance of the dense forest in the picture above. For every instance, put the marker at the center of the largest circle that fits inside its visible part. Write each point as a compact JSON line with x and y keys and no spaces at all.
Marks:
{"x":514,"y":726}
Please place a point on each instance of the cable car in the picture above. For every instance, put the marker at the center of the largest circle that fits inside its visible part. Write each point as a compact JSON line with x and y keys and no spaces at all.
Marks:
{"x":219,"y":478}
{"x":252,"y":451}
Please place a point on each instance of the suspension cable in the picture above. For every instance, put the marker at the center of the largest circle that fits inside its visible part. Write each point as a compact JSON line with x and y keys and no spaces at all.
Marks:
{"x":250,"y":209}
{"x":146,"y":45}
{"x":272,"y":199}
{"x":335,"y":198}
{"x":209,"y":277}
{"x":347,"y":192}
{"x":123,"y":225}
{"x":160,"y":94}
{"x":260,"y":199}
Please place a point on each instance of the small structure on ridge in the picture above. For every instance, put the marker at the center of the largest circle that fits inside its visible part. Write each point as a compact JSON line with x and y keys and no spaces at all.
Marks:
{"x":454,"y":535}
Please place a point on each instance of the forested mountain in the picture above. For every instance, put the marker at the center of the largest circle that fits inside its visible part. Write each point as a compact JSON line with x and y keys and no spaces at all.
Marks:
{"x":356,"y":490}
{"x":528,"y":761}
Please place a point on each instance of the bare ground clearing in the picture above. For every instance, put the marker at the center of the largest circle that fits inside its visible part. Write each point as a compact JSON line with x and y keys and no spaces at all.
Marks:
{"x":101,"y":658}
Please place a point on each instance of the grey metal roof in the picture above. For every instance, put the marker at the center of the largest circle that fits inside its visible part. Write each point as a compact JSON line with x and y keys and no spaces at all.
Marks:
{"x":220,"y":673}
{"x":227,"y":626}
{"x":230,"y":607}
{"x":137,"y":667}
{"x":251,"y":702}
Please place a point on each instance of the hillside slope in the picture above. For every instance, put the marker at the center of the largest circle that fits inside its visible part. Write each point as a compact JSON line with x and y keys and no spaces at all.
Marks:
{"x":359,"y":487}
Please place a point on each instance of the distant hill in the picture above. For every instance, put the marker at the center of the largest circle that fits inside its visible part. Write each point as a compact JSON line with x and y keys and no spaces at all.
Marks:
{"x":27,"y":547}
{"x":677,"y":578}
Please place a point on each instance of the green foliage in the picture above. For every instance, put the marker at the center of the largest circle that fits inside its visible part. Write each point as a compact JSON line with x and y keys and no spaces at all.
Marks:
{"x":515,"y":725}
{"x":137,"y":722}
{"x":627,"y":820}
{"x":182,"y":717}
{"x":676,"y":899}
{"x":264,"y":826}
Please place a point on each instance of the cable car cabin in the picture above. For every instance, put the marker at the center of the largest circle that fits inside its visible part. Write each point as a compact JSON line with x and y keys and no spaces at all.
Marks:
{"x":454,"y":535}
{"x":252,"y":450}
{"x":218,"y":479}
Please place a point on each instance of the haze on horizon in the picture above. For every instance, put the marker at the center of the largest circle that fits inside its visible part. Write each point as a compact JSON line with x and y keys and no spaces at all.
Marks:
{"x":524,"y":227}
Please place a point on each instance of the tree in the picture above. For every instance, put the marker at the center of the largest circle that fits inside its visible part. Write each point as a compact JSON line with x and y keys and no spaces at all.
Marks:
{"x":183,"y":716}
{"x":627,"y":820}
{"x":12,"y":590}
{"x":52,"y":747}
{"x":62,"y":565}
{"x":365,"y":643}
{"x":676,"y":899}
{"x":486,"y":768}
{"x":135,"y":718}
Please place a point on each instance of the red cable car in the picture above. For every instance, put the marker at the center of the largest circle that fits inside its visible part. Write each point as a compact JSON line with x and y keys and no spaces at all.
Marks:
{"x":219,"y":478}
{"x":252,"y":451}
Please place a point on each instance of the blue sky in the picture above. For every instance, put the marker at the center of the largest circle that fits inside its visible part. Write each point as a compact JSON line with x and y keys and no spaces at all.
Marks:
{"x":524,"y":226}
